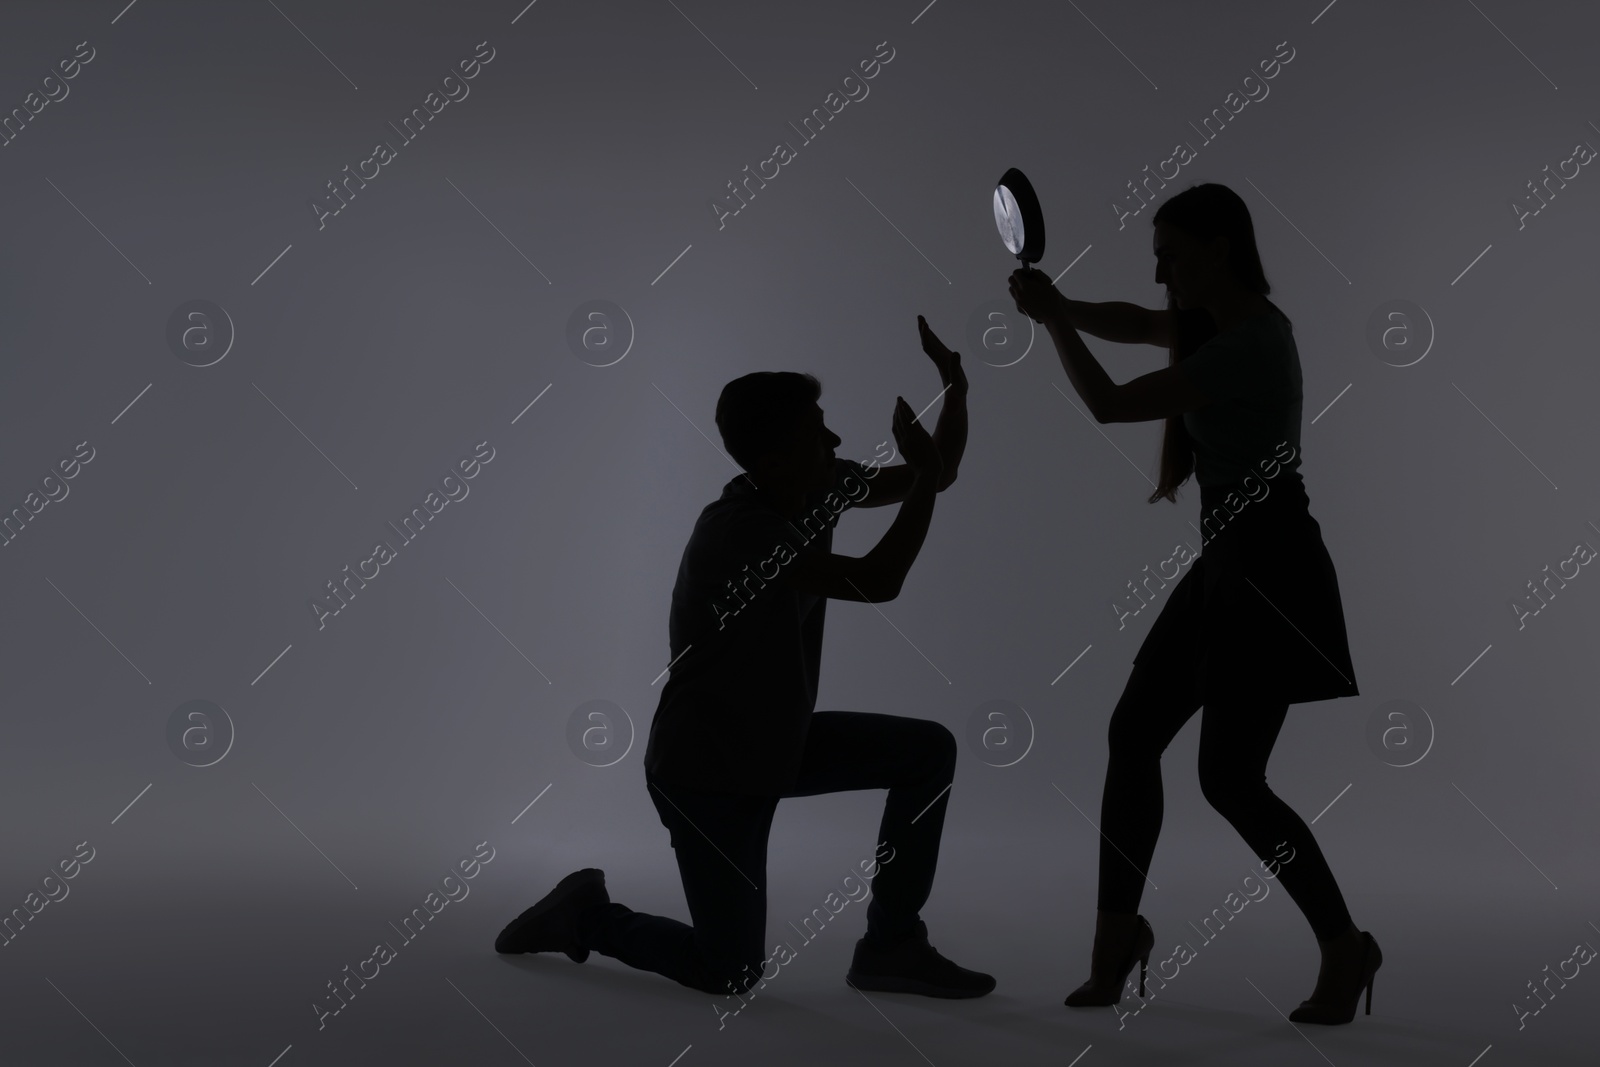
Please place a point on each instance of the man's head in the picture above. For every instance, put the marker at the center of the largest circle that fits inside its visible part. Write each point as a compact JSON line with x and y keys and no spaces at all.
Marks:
{"x":773,"y":427}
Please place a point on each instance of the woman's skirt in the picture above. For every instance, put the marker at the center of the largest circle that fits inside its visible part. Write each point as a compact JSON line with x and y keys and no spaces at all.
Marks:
{"x":1258,"y":614}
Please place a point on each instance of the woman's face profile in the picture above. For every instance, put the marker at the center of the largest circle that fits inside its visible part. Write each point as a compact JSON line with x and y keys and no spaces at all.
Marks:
{"x":1188,"y":269}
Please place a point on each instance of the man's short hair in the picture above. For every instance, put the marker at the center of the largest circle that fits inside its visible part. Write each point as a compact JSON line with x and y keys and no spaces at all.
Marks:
{"x":759,"y":412}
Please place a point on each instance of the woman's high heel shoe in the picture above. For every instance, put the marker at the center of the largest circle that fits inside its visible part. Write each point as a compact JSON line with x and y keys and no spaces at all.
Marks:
{"x":1112,"y":958}
{"x":1340,"y":1007}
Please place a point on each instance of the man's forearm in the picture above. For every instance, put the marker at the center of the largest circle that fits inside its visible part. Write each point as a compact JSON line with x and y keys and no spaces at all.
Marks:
{"x":950,"y":434}
{"x":1113,"y":320}
{"x":897,"y":549}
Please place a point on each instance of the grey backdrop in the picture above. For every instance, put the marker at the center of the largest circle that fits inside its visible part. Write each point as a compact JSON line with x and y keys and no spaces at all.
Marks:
{"x":350,"y":765}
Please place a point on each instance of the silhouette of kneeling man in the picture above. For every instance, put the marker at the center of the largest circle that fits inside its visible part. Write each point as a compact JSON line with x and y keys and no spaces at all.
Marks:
{"x":735,"y":728}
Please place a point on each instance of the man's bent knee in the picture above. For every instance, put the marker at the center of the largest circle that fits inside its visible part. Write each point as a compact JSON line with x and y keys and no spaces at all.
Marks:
{"x":735,"y":982}
{"x":1127,"y":737}
{"x":943,"y":743}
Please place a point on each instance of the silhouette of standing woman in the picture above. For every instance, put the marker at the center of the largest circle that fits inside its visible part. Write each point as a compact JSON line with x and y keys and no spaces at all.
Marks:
{"x":1256,"y":624}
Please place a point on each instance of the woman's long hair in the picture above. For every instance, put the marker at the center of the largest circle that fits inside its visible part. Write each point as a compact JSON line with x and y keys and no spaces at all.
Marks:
{"x":1205,"y":212}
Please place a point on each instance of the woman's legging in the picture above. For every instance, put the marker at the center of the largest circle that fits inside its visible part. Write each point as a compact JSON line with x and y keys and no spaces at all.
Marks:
{"x":1236,"y":738}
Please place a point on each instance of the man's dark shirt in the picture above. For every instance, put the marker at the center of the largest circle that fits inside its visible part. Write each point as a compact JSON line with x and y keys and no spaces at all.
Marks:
{"x":733,"y":715}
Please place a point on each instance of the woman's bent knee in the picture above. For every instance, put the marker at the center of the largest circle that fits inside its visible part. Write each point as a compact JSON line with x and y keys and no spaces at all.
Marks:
{"x":1230,"y":793}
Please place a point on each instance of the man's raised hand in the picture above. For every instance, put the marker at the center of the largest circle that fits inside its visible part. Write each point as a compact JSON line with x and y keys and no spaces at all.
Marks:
{"x":949,"y":363}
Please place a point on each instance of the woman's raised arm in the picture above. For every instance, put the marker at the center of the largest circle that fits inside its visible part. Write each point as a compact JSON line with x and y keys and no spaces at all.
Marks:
{"x":1118,"y":320}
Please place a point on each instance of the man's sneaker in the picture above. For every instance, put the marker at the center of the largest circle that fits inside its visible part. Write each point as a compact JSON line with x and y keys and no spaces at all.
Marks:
{"x":550,"y":925}
{"x":914,"y":966}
